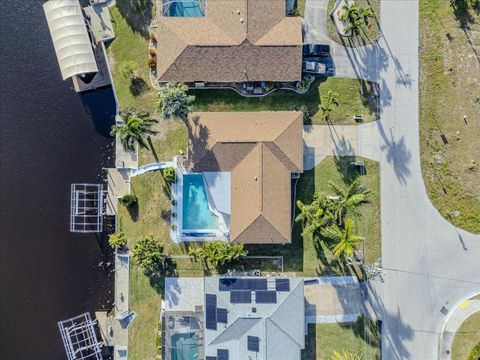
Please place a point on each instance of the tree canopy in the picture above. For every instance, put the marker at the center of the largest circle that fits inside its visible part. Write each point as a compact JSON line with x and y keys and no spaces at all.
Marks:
{"x":135,"y":129}
{"x":149,"y":254}
{"x":174,"y":101}
{"x":219,"y":253}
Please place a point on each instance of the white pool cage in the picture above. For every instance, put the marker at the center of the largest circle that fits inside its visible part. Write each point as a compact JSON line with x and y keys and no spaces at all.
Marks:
{"x":86,"y":208}
{"x":80,"y":339}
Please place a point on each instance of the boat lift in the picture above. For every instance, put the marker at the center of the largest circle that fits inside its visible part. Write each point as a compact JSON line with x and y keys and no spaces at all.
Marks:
{"x":86,"y":208}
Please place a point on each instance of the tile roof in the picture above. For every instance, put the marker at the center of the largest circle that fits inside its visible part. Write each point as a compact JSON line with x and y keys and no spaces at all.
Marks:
{"x":237,"y":40}
{"x":261,"y":150}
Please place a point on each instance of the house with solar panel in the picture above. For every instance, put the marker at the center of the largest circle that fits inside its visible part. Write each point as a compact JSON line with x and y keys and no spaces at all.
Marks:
{"x":233,"y":318}
{"x":236,"y":183}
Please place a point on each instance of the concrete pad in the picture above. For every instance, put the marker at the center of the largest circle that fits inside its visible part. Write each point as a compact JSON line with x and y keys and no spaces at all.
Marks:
{"x":321,"y":141}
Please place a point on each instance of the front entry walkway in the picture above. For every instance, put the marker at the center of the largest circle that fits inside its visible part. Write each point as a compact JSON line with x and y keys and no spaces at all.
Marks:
{"x":321,"y":141}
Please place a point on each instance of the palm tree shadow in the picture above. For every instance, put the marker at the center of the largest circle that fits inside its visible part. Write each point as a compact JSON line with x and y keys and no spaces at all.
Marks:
{"x":137,"y":14}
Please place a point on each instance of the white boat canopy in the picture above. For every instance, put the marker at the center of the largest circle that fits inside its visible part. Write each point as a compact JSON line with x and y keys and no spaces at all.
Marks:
{"x":70,"y":38}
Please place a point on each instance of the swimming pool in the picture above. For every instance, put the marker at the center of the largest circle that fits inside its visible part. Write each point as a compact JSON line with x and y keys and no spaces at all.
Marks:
{"x":184,"y":347}
{"x":195,"y":211}
{"x":189,"y":8}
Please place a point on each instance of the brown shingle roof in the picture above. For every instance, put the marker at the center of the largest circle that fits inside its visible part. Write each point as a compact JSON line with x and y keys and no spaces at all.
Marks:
{"x":266,"y":46}
{"x":261,"y":150}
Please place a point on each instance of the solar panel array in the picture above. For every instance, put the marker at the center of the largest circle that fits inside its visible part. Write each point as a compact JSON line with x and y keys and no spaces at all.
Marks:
{"x":229,"y":284}
{"x":222,"y":316}
{"x":253,"y":343}
{"x":222,"y":354}
{"x":211,"y":311}
{"x":282,"y":284}
{"x":266,"y":297}
{"x":241,"y":297}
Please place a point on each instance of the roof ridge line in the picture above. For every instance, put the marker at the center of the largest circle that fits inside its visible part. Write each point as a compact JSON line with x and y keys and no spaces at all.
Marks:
{"x":283,"y":331}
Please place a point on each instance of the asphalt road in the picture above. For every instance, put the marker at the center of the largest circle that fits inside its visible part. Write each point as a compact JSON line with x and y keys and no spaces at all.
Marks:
{"x":430,"y":266}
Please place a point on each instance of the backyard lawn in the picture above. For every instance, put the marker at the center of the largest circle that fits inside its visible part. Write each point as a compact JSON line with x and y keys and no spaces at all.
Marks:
{"x":145,"y":292}
{"x":130,"y":44}
{"x":356,"y":98}
{"x":466,"y":343}
{"x":370,"y":33}
{"x":361,"y":337}
{"x":449,"y":89}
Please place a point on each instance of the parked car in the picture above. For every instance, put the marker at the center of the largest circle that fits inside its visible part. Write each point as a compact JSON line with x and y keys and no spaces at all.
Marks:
{"x":316,"y":50}
{"x":314,"y":68}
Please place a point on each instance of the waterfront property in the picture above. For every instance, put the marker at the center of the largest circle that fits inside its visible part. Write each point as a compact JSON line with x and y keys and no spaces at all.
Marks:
{"x":236,"y":183}
{"x":222,"y":43}
{"x":232,"y":318}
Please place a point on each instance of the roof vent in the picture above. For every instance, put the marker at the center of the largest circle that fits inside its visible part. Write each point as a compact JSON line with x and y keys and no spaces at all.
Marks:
{"x":242,"y":20}
{"x":238,"y":11}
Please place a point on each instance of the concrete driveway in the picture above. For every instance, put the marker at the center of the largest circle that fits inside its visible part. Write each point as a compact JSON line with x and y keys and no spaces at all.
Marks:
{"x":362,"y":62}
{"x":321,"y":141}
{"x":341,"y":300}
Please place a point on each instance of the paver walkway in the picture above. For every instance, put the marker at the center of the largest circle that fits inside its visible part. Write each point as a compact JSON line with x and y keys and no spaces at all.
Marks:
{"x":454,"y":322}
{"x":321,"y":141}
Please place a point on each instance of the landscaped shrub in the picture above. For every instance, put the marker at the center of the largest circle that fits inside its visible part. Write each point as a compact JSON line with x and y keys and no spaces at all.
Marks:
{"x":149,"y":254}
{"x":129,"y":200}
{"x":152,"y":63}
{"x":306,"y":113}
{"x":174,"y":202}
{"x":153,"y":36}
{"x":117,"y":239}
{"x":152,"y":52}
{"x":169,"y":174}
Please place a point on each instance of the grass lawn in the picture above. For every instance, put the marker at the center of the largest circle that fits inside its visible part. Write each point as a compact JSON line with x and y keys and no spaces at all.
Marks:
{"x":317,"y":257}
{"x":449,"y":89}
{"x":146,"y":293}
{"x":307,"y":257}
{"x":467,"y":338}
{"x":131,"y":44}
{"x":170,"y":141}
{"x":361,"y":337}
{"x":356,"y":98}
{"x":301,"y":7}
{"x":371,"y":32}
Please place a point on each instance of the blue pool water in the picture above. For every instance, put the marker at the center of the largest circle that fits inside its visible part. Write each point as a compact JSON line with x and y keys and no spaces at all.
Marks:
{"x":186,"y":9}
{"x":195,"y":211}
{"x":184,"y":347}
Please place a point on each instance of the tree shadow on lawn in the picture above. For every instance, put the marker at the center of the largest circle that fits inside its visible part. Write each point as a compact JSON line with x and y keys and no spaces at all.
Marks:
{"x":348,"y":172}
{"x":137,"y":14}
{"x":137,"y":86}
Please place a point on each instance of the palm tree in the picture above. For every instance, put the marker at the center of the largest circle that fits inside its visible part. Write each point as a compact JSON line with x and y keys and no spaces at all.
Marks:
{"x":366,"y":13}
{"x":349,"y":199}
{"x":316,"y":215}
{"x":174,"y":102}
{"x":345,"y":355}
{"x":219,"y":253}
{"x":344,"y":238}
{"x":136,"y":129}
{"x":327,"y":104}
{"x":354,"y":27}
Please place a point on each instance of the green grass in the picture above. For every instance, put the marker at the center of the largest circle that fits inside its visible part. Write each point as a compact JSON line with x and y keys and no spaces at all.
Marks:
{"x":130,"y":44}
{"x":301,"y":7}
{"x":145,"y":292}
{"x":370,"y":33}
{"x":356,"y":98}
{"x":307,"y":257}
{"x":467,"y":339}
{"x":317,"y":257}
{"x":361,"y":337}
{"x":170,"y":141}
{"x":448,"y":91}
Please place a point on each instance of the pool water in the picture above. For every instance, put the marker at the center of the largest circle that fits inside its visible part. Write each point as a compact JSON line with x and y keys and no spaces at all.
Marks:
{"x":195,"y":211}
{"x":181,"y":8}
{"x":184,"y":347}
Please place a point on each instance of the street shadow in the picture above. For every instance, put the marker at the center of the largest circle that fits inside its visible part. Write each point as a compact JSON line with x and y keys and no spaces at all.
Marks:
{"x":137,"y":13}
{"x":398,"y":154}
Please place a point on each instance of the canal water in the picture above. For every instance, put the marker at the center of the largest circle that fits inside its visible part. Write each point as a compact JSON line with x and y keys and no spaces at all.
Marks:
{"x":50,"y":137}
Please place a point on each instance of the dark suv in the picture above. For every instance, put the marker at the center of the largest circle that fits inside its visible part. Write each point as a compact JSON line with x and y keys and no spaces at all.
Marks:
{"x":316,"y":50}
